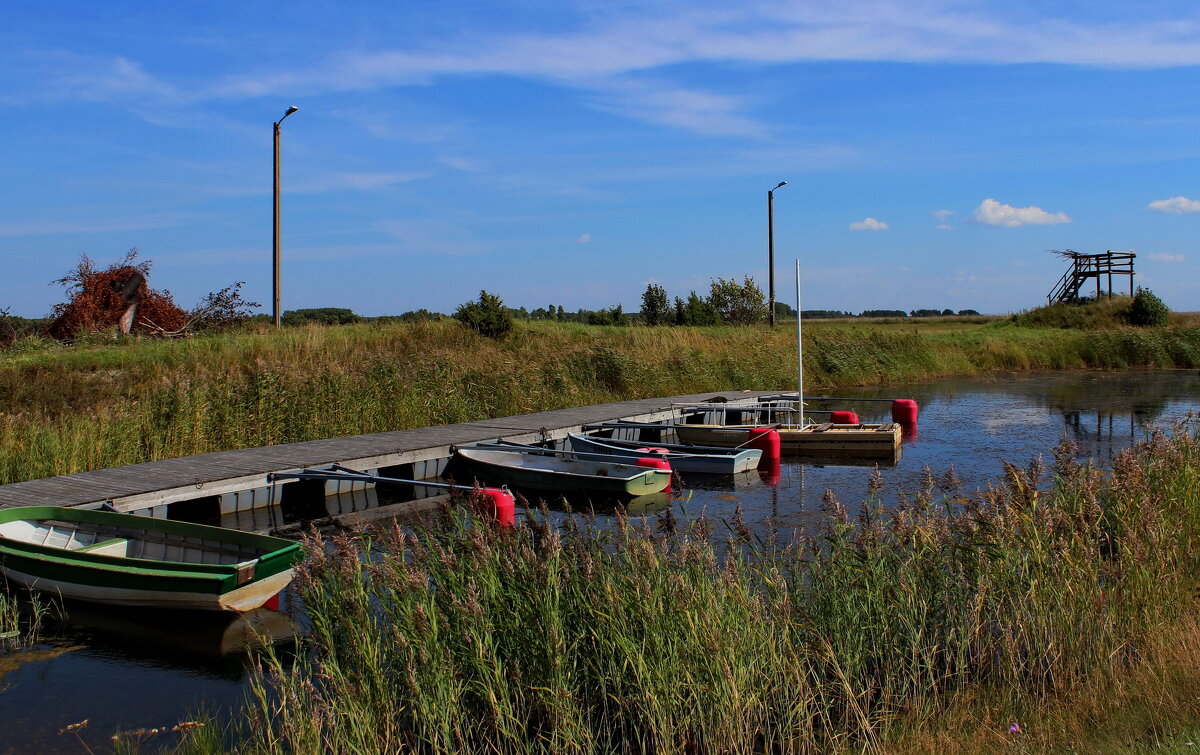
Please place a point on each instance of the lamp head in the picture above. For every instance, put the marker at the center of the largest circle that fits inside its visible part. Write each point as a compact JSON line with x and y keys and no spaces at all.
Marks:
{"x":781,"y":183}
{"x":290,"y":110}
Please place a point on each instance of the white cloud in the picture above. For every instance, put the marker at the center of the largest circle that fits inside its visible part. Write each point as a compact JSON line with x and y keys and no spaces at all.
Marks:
{"x":868,"y":224}
{"x":583,"y":238}
{"x":1160,"y":257}
{"x":611,"y":55}
{"x":991,"y":212}
{"x":1176,"y":205}
{"x":354,"y":182}
{"x":942,"y":214}
{"x":944,"y":227}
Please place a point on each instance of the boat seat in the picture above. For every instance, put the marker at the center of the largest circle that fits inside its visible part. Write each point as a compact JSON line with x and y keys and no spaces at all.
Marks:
{"x":116,"y":546}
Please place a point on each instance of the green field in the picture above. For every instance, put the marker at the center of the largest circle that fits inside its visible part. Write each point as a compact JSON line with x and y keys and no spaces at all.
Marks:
{"x":66,"y":409}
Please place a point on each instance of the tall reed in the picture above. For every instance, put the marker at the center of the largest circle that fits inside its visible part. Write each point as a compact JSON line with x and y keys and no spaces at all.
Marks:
{"x":21,"y":624}
{"x":461,"y":637}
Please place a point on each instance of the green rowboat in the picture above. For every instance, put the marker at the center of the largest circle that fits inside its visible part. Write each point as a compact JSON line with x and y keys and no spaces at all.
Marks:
{"x":107,"y":557}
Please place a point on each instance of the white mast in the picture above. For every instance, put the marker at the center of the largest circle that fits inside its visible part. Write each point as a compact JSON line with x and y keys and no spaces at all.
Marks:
{"x":799,"y":351}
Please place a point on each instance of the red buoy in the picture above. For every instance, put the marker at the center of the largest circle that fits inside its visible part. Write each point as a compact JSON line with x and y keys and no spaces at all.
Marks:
{"x":904,"y":411}
{"x":766,"y":440}
{"x":843,"y":418}
{"x":500,"y":505}
{"x":656,"y":462}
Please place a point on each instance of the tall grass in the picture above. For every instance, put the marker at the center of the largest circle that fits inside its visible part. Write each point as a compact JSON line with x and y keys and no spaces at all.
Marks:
{"x":73,"y":410}
{"x":467,"y":638}
{"x":68,"y":410}
{"x":19,"y":628}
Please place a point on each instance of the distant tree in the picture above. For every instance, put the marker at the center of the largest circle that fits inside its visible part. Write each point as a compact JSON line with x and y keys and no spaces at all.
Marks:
{"x":926,"y":313}
{"x":611,"y":316}
{"x":695,"y":311}
{"x":967,"y":313}
{"x":824,"y":314}
{"x":738,"y":303}
{"x":1147,"y":309}
{"x":320,"y":316}
{"x":785,"y":311}
{"x":883,"y":313}
{"x":420,"y":315}
{"x":656,"y":309}
{"x":560,"y":313}
{"x":488,"y":316}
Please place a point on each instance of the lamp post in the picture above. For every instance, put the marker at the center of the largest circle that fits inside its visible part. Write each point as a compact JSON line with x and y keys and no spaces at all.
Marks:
{"x":771,"y":250}
{"x":275,"y":215}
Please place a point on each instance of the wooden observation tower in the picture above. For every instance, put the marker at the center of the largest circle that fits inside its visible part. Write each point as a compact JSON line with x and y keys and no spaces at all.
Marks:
{"x":1085,"y":266}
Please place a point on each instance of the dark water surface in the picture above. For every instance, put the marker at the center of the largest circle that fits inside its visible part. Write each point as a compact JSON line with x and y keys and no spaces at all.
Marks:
{"x":973,"y":425}
{"x":141,"y":669}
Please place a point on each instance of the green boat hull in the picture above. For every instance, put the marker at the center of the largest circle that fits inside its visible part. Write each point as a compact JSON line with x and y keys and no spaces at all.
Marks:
{"x":108,"y":578}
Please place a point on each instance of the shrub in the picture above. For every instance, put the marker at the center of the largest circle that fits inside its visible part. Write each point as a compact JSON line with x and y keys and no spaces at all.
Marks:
{"x":738,"y":303}
{"x":487,"y":317}
{"x":1148,"y":309}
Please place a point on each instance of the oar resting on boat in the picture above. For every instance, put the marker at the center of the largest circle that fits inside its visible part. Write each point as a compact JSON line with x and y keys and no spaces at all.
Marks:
{"x":717,"y":461}
{"x":556,"y":474}
{"x":701,"y":459}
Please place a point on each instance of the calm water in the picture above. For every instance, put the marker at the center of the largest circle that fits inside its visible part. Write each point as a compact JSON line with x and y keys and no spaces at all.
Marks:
{"x":135,"y":669}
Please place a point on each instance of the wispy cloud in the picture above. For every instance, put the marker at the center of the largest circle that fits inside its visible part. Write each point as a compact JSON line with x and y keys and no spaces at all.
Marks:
{"x":583,"y":238}
{"x":991,"y":212}
{"x":626,"y":61}
{"x":687,"y":109}
{"x":868,"y":224}
{"x":942,"y":214}
{"x":944,"y":227}
{"x":355,"y":182}
{"x":1175,"y":205}
{"x":1163,"y":257}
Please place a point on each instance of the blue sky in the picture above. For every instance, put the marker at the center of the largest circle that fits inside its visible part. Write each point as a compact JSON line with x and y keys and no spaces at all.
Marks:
{"x":572,"y":152}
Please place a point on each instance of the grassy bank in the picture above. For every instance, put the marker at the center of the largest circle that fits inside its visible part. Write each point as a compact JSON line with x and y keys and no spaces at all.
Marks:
{"x":65,"y":410}
{"x":937,"y":627}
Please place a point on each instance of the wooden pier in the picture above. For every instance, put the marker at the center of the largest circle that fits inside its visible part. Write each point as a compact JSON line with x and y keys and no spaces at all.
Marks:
{"x":237,"y":480}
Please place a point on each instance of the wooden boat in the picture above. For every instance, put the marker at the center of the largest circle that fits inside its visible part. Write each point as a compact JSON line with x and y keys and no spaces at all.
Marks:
{"x":560,"y":475}
{"x":824,"y":439}
{"x":699,"y":459}
{"x":106,"y":557}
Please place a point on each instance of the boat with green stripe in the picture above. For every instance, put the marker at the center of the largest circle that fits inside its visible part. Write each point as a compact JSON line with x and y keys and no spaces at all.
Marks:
{"x":122,"y":559}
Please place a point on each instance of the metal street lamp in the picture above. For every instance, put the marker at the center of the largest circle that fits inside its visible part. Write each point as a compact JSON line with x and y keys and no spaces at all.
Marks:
{"x":275,"y":235}
{"x":771,"y":250}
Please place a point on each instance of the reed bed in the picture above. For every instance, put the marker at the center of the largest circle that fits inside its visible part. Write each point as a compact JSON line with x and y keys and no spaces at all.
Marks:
{"x":465,"y":637}
{"x":65,"y":410}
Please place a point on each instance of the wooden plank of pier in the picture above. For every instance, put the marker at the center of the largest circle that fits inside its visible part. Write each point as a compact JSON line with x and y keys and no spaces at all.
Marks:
{"x":156,"y":483}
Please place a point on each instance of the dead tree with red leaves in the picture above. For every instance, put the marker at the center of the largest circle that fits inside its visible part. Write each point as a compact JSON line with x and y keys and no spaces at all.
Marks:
{"x":119,"y":298}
